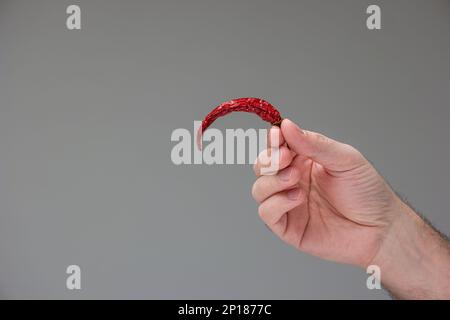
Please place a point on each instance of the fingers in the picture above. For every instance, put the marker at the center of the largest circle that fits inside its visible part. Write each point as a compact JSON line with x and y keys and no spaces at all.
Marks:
{"x":275,"y":138}
{"x":273,"y":208}
{"x":271,"y":160}
{"x":265,"y":186}
{"x":333,"y":155}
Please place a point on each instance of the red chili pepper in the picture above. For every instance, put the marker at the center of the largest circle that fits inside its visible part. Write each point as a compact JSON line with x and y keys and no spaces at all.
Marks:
{"x":260,"y":107}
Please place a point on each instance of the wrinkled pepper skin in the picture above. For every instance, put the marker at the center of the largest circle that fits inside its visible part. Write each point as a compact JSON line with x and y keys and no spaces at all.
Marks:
{"x":260,"y":107}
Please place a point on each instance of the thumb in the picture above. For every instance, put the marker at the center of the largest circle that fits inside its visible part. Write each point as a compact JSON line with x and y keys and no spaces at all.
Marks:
{"x":333,"y":155}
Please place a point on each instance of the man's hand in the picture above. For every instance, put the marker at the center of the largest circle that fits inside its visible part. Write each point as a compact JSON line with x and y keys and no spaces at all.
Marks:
{"x":329,"y":201}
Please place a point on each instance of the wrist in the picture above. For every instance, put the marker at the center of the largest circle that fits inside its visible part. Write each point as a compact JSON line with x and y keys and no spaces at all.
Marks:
{"x":413,"y":258}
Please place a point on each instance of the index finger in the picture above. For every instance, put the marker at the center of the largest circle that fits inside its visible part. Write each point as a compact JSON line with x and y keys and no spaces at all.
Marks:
{"x":275,"y":137}
{"x":270,"y":161}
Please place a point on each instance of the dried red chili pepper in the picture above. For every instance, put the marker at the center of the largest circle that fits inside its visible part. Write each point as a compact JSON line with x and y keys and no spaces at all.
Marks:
{"x":260,"y":107}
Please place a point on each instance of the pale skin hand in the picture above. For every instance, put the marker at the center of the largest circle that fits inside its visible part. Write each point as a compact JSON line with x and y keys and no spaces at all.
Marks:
{"x":326,"y":199}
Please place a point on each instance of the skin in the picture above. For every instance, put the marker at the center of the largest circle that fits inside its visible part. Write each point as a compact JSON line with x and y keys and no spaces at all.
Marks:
{"x":326,"y":199}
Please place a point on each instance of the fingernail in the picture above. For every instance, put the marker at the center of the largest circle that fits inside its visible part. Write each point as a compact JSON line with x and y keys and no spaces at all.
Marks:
{"x":296,"y":127}
{"x":285,"y":174}
{"x":293,"y":194}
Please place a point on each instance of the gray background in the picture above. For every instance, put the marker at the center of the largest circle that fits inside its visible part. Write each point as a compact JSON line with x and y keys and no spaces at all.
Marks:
{"x":86,"y":118}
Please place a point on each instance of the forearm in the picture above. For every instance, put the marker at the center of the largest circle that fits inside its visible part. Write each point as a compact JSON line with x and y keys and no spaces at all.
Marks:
{"x":414,"y":259}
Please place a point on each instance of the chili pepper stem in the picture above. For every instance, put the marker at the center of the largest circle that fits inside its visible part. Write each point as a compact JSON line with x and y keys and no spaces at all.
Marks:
{"x":278,"y":123}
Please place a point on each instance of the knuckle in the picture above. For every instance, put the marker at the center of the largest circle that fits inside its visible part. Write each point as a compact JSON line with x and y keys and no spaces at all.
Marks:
{"x":285,"y":179}
{"x":285,"y":155}
{"x":294,"y":177}
{"x":262,"y":212}
{"x":355,"y":152}
{"x":354,"y":155}
{"x":255,"y":192}
{"x":266,"y":156}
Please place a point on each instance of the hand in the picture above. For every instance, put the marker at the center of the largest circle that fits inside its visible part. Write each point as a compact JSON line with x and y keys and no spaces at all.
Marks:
{"x":326,"y":199}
